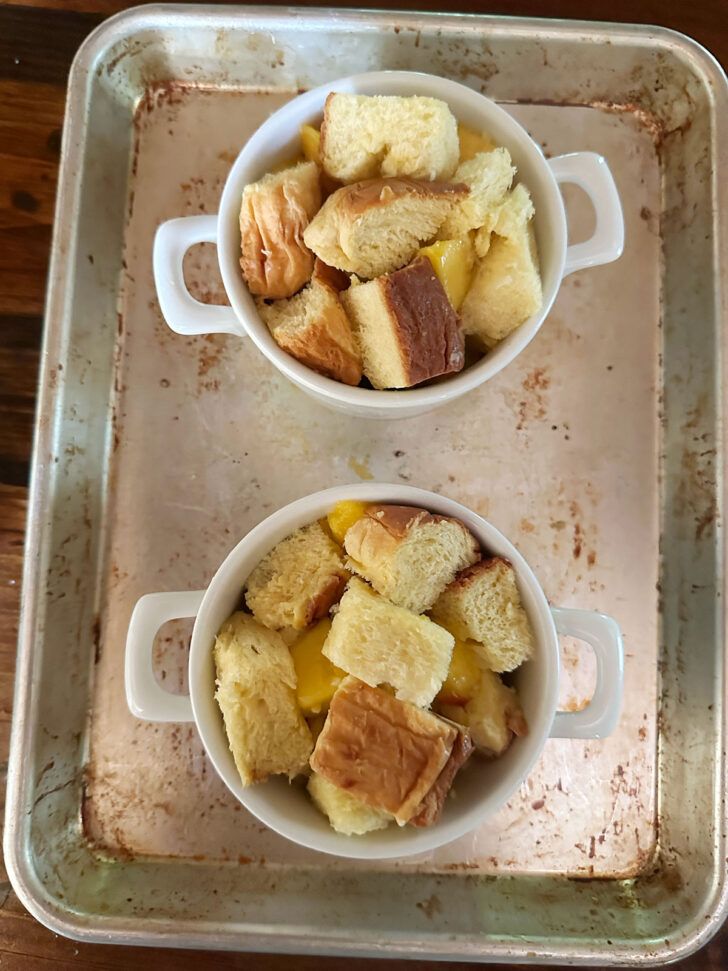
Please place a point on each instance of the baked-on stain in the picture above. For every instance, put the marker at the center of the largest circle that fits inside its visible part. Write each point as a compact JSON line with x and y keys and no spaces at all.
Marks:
{"x":431,"y":906}
{"x":533,"y":407}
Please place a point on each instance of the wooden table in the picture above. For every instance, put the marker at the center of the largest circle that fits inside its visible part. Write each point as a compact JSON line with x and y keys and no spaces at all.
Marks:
{"x":38,"y":39}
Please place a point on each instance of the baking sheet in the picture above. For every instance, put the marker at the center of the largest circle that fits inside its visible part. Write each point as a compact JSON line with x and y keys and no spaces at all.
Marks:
{"x":599,"y":452}
{"x":560,"y":452}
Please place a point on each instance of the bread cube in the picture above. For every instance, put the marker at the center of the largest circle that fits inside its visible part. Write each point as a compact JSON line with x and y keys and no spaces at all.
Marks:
{"x":256,"y":692}
{"x":363,"y":137}
{"x":488,"y":176}
{"x":298,"y":581}
{"x":380,"y":643}
{"x":273,"y":215}
{"x":408,"y":554}
{"x":405,"y":326}
{"x":312,"y":326}
{"x":346,"y":813}
{"x":483,"y":605}
{"x":384,"y":752}
{"x":493,"y":716}
{"x":377,"y":226}
{"x":505,"y":291}
{"x":509,"y":220}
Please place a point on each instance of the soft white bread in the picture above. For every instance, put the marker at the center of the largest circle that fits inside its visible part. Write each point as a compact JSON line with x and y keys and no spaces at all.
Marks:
{"x":508,"y":220}
{"x":298,"y":581}
{"x":405,"y":327}
{"x":384,"y":752}
{"x":273,"y":216}
{"x":493,"y":715}
{"x":362,"y":137}
{"x":346,"y":813}
{"x":380,"y":643}
{"x":408,"y":554}
{"x":483,"y":604}
{"x":488,"y":176}
{"x":312,"y":326}
{"x":377,"y":226}
{"x":505,"y":291}
{"x":256,"y":692}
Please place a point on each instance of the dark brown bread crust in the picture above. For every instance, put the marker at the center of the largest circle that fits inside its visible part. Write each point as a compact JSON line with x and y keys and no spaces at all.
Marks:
{"x":426,"y":324}
{"x":430,"y":808}
{"x":329,"y":276}
{"x":319,"y":606}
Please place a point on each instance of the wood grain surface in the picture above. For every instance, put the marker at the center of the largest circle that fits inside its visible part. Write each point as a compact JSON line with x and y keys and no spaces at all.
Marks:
{"x":38,"y":39}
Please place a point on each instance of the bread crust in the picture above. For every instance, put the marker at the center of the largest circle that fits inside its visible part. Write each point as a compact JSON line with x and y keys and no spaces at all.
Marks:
{"x":329,"y":276}
{"x":354,"y":200}
{"x":385,"y":752}
{"x":470,"y":574}
{"x":366,"y":540}
{"x":274,"y":213}
{"x":430,"y":809}
{"x":428,"y":333}
{"x":342,"y":230}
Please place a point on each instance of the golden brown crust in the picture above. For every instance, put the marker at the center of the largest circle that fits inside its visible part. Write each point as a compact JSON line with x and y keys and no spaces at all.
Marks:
{"x":383,"y":527}
{"x":273,"y":216}
{"x":359,"y":197}
{"x":427,"y":329}
{"x":323,"y":129}
{"x":385,"y":752}
{"x":329,"y":276}
{"x":471,"y":573}
{"x":430,"y":809}
{"x":326,"y":344}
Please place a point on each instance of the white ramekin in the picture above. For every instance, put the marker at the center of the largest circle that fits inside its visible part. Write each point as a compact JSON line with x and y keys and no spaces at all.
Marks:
{"x":278,"y":139}
{"x":482,"y":787}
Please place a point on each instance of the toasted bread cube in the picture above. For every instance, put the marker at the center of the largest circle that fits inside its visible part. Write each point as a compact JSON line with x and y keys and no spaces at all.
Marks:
{"x":380,"y":643}
{"x":346,"y":813}
{"x":493,"y":716}
{"x":405,"y":326}
{"x":363,"y":137}
{"x":408,"y":554}
{"x":298,"y":581}
{"x":483,"y":605}
{"x":256,"y":692}
{"x":312,"y":326}
{"x":377,"y":226}
{"x":274,"y":213}
{"x":384,"y":752}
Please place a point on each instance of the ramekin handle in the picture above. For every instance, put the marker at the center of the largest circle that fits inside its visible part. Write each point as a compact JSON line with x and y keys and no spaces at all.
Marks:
{"x":591,"y":172}
{"x":183,"y":313}
{"x":144,"y":695}
{"x":602,"y":634}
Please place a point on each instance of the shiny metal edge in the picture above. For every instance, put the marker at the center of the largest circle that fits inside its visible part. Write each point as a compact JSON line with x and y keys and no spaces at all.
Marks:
{"x":192,"y":934}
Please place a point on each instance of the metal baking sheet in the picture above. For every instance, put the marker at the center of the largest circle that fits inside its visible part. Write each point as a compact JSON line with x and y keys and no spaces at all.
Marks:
{"x":597,"y":452}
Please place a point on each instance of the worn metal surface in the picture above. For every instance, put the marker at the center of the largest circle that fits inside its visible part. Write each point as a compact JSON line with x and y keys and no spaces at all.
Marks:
{"x":596,"y":452}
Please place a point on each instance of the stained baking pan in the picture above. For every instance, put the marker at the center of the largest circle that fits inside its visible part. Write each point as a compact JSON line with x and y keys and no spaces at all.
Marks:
{"x":600,"y":451}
